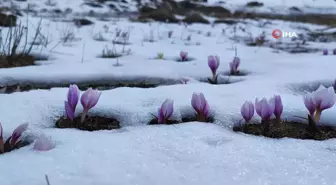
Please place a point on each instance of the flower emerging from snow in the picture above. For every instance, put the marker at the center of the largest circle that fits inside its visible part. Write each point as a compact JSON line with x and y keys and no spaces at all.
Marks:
{"x":89,"y":99}
{"x":213,"y":63}
{"x":264,"y":108}
{"x":278,"y":107}
{"x":43,"y":143}
{"x":234,"y":65}
{"x":201,"y":106}
{"x":247,"y":111}
{"x":334,"y":51}
{"x":183,"y":56}
{"x":72,"y":101}
{"x":165,"y":111}
{"x":319,"y":100}
{"x":13,"y":141}
{"x":325,"y":52}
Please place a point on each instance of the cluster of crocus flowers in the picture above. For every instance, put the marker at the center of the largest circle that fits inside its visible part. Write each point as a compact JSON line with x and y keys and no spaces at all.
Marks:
{"x":183,"y":56}
{"x":234,"y":65}
{"x":213,"y":63}
{"x":165,"y":111}
{"x":14,"y":140}
{"x":198,"y":102}
{"x":321,"y":99}
{"x":264,"y":108}
{"x":89,"y":99}
{"x":201,"y":107}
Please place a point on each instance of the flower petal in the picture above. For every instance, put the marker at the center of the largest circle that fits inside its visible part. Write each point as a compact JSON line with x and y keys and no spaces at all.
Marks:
{"x":196,"y":102}
{"x":167,"y":108}
{"x":73,"y":96}
{"x":258,"y":106}
{"x":309,"y":103}
{"x":329,"y":99}
{"x":17,"y":133}
{"x":69,"y":111}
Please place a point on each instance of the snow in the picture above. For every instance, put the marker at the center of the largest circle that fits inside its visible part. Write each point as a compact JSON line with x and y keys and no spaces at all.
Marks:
{"x":190,"y":153}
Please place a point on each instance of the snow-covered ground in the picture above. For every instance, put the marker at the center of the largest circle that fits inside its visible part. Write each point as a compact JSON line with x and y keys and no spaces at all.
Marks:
{"x":269,"y":6}
{"x":187,"y":154}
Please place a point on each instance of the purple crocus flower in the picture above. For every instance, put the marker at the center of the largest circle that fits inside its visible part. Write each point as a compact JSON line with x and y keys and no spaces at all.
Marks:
{"x":310,"y":104}
{"x":321,"y":99}
{"x":264,"y":108}
{"x":324,"y":98}
{"x":165,"y":111}
{"x":89,"y":99}
{"x":234,"y":65}
{"x":278,"y":107}
{"x":213,"y":63}
{"x":72,"y":101}
{"x":43,"y":143}
{"x":73,"y":96}
{"x":247,"y":111}
{"x":183,"y":56}
{"x":325,"y":52}
{"x":334,"y":51}
{"x":15,"y":138}
{"x":201,"y":106}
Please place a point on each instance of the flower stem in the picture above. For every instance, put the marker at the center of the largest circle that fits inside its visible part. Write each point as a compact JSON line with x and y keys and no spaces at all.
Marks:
{"x":278,"y":120}
{"x":83,"y":116}
{"x":317,"y":116}
{"x":266,"y":125}
{"x":214,"y":77}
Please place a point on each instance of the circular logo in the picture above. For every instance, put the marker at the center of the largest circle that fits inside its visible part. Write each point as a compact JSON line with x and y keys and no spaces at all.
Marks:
{"x":276,"y":33}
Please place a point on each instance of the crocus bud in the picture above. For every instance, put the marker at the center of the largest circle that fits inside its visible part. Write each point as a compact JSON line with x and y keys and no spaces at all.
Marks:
{"x":89,"y":99}
{"x":43,"y":143}
{"x":15,"y":138}
{"x":278,"y":107}
{"x":201,"y":106}
{"x":264,"y":108}
{"x":73,"y":96}
{"x":325,"y":52}
{"x":247,"y":111}
{"x":183,"y":56}
{"x":234,"y":65}
{"x":213,"y":63}
{"x":165,"y":111}
{"x":69,"y":111}
{"x":334,"y":51}
{"x":72,"y":101}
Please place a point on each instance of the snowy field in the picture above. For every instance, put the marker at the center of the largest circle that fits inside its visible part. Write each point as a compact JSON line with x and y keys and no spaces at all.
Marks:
{"x":191,"y":153}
